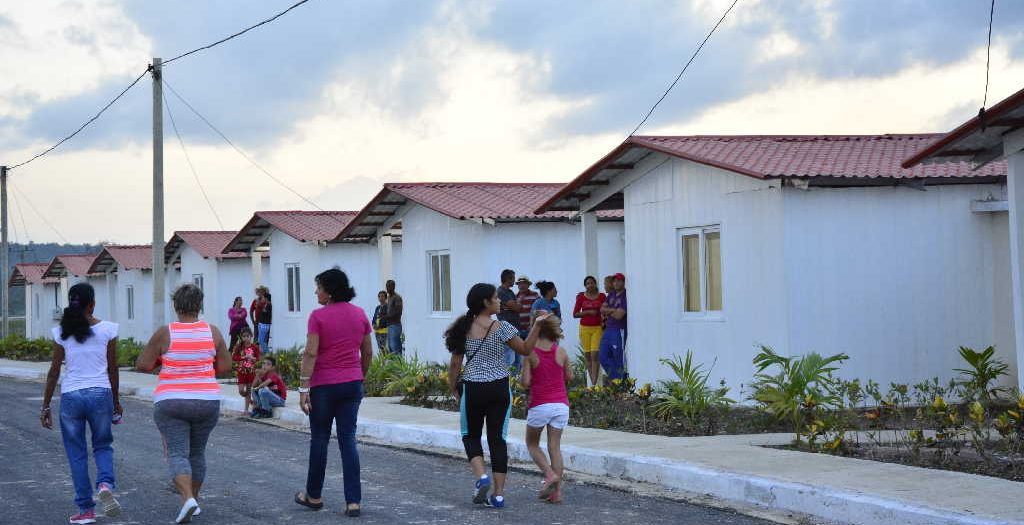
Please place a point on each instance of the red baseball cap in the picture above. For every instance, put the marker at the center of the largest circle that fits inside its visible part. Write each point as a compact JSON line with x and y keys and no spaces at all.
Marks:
{"x":619,"y":276}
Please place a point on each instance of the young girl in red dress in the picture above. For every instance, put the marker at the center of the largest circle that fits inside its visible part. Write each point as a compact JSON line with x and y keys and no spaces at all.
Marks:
{"x":245,"y":354}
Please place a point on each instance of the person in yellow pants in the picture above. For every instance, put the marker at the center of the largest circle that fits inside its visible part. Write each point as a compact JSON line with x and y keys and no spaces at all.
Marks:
{"x":588,"y":311}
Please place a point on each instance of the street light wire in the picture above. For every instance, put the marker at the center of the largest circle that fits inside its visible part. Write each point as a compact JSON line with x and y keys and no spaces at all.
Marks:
{"x":238,"y":34}
{"x":988,"y":54}
{"x":24,"y":228}
{"x":188,"y":160}
{"x":38,"y":214}
{"x":685,"y":67}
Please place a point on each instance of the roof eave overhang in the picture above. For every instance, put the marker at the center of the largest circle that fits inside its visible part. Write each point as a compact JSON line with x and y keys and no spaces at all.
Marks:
{"x":364,"y":226}
{"x":254,"y":230}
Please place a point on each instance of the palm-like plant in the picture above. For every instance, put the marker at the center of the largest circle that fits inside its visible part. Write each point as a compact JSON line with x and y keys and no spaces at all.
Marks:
{"x":688,"y":394}
{"x":984,"y":370}
{"x":802,"y":384}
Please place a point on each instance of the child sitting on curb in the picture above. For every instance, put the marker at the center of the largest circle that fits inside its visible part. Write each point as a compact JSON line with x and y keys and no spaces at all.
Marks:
{"x":269,"y":390}
{"x":545,"y":373}
{"x":245,"y":354}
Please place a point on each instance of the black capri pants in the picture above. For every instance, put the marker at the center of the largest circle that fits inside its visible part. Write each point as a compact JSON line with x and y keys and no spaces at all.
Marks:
{"x":489,"y":402}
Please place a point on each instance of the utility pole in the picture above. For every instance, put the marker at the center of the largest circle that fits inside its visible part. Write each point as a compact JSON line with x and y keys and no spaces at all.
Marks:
{"x":158,"y":195}
{"x":4,"y":248}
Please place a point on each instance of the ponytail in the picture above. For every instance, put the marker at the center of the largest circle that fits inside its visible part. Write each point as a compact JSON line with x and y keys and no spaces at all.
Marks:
{"x":476,"y":299}
{"x":75,"y":321}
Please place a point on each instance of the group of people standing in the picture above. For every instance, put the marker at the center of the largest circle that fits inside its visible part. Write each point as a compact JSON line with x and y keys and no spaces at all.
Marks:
{"x":387,"y":320}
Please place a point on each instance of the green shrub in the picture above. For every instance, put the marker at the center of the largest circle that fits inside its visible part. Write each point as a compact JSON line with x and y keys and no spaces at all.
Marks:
{"x":801,"y":389}
{"x":289,"y":365}
{"x":20,"y":349}
{"x":688,"y":395}
{"x":984,"y":370}
{"x":128,"y":351}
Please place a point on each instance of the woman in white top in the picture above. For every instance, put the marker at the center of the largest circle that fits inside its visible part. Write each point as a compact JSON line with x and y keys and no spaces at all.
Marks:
{"x":89,"y":395}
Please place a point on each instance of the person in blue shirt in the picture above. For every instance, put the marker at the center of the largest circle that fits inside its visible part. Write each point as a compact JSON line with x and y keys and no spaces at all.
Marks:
{"x":546,"y":302}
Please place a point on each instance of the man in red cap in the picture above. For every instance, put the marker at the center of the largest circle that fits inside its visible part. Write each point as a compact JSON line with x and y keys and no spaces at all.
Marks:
{"x":612,"y":352}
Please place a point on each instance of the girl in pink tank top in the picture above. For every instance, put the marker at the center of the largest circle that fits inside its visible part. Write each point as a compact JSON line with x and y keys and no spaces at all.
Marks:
{"x":545,"y":373}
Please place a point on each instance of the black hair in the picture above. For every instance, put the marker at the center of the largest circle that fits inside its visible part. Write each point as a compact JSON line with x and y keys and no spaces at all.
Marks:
{"x":245,"y":330}
{"x":455,"y":335}
{"x":335,"y":283}
{"x":545,"y":287}
{"x":382,"y":292}
{"x":589,"y":278}
{"x":508,"y":274}
{"x":272,"y":359}
{"x":75,"y":321}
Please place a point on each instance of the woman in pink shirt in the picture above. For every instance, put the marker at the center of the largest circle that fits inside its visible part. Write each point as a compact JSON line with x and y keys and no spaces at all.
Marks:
{"x":337,"y":357}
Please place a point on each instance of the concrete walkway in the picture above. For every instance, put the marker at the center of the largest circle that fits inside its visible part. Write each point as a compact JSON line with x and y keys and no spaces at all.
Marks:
{"x":732,"y":468}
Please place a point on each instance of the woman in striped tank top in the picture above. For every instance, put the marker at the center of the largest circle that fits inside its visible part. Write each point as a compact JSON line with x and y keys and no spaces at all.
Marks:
{"x":187,"y":397}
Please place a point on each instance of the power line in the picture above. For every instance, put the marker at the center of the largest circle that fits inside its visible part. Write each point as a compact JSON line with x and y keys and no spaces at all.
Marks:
{"x":24,"y":228}
{"x":40,"y":215}
{"x":239,"y":150}
{"x":685,"y":67}
{"x":988,"y":54}
{"x":84,"y":125}
{"x":240,"y":33}
{"x":188,"y":159}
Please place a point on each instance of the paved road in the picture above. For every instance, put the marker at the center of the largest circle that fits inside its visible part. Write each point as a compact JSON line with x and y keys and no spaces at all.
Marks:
{"x":254,"y":469}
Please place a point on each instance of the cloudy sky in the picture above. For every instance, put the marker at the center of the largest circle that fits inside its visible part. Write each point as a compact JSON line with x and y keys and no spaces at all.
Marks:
{"x":340,"y":96}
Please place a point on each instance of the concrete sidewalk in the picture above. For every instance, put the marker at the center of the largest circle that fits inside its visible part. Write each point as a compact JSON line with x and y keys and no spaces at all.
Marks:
{"x":731,"y":468}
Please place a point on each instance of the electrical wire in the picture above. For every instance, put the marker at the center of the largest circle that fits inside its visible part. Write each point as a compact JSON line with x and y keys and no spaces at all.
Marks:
{"x":988,"y":53}
{"x":24,"y":228}
{"x":188,"y":159}
{"x":240,"y":33}
{"x":38,"y":214}
{"x":84,"y":125}
{"x":685,"y":67}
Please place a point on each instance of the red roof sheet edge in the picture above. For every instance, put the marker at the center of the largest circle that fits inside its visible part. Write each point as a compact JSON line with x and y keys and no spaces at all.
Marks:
{"x":355,"y":222}
{"x":961,"y":131}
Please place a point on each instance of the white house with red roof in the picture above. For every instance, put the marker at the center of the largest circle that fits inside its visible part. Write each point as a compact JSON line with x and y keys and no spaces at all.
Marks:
{"x":70,"y":270}
{"x":457,"y":234}
{"x":41,"y":297}
{"x":804,"y":243}
{"x":200,"y":259}
{"x":995,"y":138}
{"x":299,"y":247}
{"x":128,"y":272}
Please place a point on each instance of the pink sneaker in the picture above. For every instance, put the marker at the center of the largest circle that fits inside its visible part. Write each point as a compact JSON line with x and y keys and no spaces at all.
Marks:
{"x":83,"y":517}
{"x":551,"y":484}
{"x":556,"y":496}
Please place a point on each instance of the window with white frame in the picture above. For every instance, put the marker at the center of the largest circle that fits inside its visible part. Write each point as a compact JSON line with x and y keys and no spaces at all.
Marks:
{"x":292,"y":271}
{"x":701,"y":268}
{"x":129,"y":293}
{"x":197,"y":279}
{"x":441,"y":281}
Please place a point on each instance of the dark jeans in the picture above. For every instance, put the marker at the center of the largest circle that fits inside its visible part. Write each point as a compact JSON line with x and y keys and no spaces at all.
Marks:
{"x":334,"y":403}
{"x":491,"y":403}
{"x":95,"y":407}
{"x":612,"y":353}
{"x":395,"y":339}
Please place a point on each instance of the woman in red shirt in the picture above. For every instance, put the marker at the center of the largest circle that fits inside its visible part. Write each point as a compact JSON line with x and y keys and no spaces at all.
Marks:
{"x":588,"y":311}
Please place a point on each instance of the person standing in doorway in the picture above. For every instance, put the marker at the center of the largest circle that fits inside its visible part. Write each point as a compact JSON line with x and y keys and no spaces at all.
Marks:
{"x":186,"y":402}
{"x":380,"y":328}
{"x":509,"y":309}
{"x":237,"y":315}
{"x":393,"y":318}
{"x":88,"y":397}
{"x":477,"y":344}
{"x":612,"y":353}
{"x":588,"y":311}
{"x":525,"y":297}
{"x":264,"y":320}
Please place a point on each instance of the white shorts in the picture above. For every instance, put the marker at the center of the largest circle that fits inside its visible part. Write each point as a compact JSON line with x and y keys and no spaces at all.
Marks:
{"x":554,"y":414}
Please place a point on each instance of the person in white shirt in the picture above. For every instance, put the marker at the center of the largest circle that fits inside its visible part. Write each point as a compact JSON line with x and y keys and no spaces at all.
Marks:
{"x":89,"y":396}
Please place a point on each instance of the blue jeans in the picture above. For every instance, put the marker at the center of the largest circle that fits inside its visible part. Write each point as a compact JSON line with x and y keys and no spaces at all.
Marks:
{"x":94,"y":406}
{"x":338,"y":403}
{"x":395,"y":339}
{"x":263,"y":338}
{"x":266,"y":399}
{"x":611,"y":355}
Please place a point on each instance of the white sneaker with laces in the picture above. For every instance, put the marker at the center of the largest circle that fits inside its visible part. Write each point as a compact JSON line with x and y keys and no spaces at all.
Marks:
{"x":187,"y":511}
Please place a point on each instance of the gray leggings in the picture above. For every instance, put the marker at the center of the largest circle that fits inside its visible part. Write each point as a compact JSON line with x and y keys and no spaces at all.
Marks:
{"x":185,"y":425}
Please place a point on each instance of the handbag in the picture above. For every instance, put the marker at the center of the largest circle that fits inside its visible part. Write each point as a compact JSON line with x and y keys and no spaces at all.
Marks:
{"x":461,"y":382}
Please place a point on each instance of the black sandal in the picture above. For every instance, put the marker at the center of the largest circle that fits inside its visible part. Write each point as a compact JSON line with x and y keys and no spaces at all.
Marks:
{"x":303,"y":500}
{"x":352,"y":512}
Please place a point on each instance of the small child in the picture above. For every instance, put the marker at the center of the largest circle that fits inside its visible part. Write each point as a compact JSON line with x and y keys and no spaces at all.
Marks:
{"x":545,"y":373}
{"x":245,"y":354}
{"x":269,"y":391}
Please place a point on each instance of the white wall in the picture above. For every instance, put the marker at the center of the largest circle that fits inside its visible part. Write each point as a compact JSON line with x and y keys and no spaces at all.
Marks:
{"x":99,"y":286}
{"x":676,"y":194}
{"x":541,"y":250}
{"x":50,"y":303}
{"x":896,"y":278}
{"x":1002,"y":300}
{"x":140,"y":328}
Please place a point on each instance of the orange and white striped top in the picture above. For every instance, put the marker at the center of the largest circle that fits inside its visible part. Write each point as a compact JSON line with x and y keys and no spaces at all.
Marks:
{"x":188,"y":371}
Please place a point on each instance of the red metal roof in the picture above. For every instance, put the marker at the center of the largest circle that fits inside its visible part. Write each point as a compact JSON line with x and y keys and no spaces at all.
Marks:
{"x":865,"y":157}
{"x":29,"y":273}
{"x":495,"y":201}
{"x":74,"y":264}
{"x":127,"y":257}
{"x":301,"y":225}
{"x":973,"y":138}
{"x":207,"y":243}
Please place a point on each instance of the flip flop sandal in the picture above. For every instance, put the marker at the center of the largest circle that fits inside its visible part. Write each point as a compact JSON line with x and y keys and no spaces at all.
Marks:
{"x":301,"y":499}
{"x":352,"y":512}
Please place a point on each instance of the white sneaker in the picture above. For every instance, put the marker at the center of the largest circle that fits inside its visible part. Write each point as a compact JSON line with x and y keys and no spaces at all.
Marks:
{"x":187,"y":511}
{"x":111,"y":507}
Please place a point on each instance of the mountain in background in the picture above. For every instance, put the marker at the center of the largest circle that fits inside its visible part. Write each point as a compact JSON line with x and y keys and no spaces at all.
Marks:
{"x":39,"y":252}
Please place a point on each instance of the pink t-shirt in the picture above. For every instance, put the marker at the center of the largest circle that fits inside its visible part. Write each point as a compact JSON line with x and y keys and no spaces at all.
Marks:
{"x":341,"y":327}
